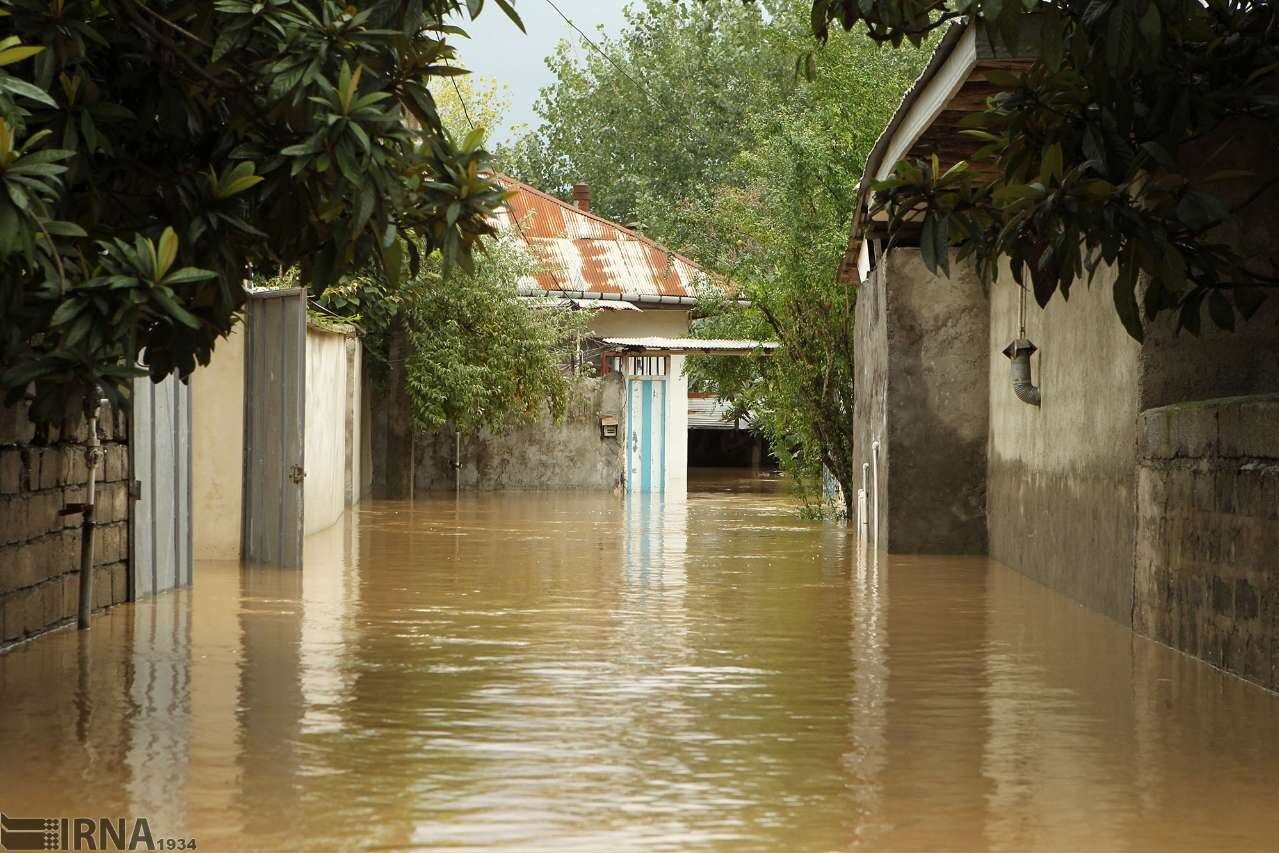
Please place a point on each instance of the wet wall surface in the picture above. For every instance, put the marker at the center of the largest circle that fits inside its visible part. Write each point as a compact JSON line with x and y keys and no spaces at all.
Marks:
{"x":580,"y":672}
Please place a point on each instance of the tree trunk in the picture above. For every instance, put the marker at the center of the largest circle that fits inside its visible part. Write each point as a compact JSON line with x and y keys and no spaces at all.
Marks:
{"x":399,"y":420}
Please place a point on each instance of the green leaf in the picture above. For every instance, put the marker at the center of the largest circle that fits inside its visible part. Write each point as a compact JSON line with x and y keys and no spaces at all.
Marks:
{"x":26,"y":90}
{"x":186,"y":318}
{"x":1050,"y":168}
{"x":239,"y":185}
{"x":187,"y":275}
{"x":59,"y":228}
{"x":506,"y":7}
{"x":17,"y":54}
{"x":168,"y":251}
{"x":66,"y":312}
{"x":1125,"y":298}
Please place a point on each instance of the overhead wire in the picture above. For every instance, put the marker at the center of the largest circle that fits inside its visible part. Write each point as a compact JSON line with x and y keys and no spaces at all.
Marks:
{"x":643,"y":90}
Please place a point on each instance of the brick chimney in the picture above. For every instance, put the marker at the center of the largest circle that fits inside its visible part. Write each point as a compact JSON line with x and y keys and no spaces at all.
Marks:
{"x":582,"y":196}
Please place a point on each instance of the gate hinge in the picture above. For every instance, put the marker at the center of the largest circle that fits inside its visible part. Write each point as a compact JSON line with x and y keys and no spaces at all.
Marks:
{"x":135,"y":490}
{"x":297,"y":474}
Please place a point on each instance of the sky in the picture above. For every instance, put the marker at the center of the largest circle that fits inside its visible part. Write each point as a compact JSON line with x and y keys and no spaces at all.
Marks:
{"x":498,"y":49}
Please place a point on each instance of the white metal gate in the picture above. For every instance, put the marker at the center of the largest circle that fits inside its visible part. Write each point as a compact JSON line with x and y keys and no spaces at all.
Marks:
{"x":272,"y":526}
{"x":160,"y":518}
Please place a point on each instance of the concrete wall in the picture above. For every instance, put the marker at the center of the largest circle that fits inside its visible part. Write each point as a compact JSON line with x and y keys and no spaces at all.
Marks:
{"x":327,"y":403}
{"x":545,"y":455}
{"x":1177,"y":367}
{"x":40,"y":472}
{"x":1207,"y":578}
{"x":870,"y":413}
{"x":1216,"y":363}
{"x":1060,"y":491}
{"x":540,"y":456}
{"x":922,"y":390}
{"x":354,"y":414}
{"x":335,"y":438}
{"x":217,"y":449}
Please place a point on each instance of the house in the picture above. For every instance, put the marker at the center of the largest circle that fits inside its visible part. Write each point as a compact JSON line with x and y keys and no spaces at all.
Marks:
{"x":639,"y":289}
{"x":1137,"y":478}
{"x":627,"y":425}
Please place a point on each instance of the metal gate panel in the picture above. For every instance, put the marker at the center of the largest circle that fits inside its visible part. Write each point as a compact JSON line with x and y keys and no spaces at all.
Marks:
{"x":272,"y":526}
{"x":646,"y":435}
{"x":160,"y":520}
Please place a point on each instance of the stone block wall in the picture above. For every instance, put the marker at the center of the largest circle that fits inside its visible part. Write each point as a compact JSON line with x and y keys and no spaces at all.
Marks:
{"x":41,"y":471}
{"x":1207,"y":547}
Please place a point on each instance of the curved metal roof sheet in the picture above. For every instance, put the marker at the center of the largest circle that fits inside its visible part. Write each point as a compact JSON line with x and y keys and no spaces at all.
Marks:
{"x":580,"y":251}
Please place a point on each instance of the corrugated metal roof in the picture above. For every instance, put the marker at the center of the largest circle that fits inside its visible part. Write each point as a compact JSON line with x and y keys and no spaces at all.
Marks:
{"x":706,"y":411}
{"x":678,"y":346}
{"x":580,"y":251}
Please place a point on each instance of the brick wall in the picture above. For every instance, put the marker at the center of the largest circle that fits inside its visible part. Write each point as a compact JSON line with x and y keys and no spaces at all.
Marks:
{"x":40,"y":472}
{"x":1207,"y":550}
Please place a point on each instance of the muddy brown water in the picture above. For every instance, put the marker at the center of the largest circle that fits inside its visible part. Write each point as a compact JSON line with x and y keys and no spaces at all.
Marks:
{"x":580,"y":672}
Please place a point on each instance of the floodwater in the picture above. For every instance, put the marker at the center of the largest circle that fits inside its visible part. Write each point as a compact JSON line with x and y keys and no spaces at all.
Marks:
{"x":579,"y":672}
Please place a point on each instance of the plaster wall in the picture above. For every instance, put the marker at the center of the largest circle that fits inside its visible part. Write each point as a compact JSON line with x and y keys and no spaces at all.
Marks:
{"x":1060,"y":490}
{"x":922,"y":392}
{"x":870,"y":412}
{"x":354,"y":414}
{"x":543,"y":456}
{"x":327,"y":401}
{"x":217,"y":451}
{"x":937,"y":407}
{"x":1177,"y":367}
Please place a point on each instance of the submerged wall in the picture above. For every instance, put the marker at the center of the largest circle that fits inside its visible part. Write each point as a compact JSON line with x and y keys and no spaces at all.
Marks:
{"x":41,"y":471}
{"x":327,"y":401}
{"x":1208,"y":532}
{"x":217,"y":451}
{"x":870,"y":360}
{"x":921,"y":391}
{"x":1061,"y":475}
{"x":540,"y":456}
{"x":335,"y":436}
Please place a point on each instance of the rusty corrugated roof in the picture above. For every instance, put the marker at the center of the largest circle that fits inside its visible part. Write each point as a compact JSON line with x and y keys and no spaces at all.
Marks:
{"x":579,"y":251}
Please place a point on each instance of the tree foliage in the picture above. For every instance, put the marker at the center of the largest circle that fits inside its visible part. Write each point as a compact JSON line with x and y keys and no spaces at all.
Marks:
{"x":663,"y":116}
{"x":152,"y":151}
{"x":478,"y":354}
{"x":1099,"y":148}
{"x":778,"y":226}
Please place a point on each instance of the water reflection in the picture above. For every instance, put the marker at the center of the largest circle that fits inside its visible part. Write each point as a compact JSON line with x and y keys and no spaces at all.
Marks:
{"x":588,"y":672}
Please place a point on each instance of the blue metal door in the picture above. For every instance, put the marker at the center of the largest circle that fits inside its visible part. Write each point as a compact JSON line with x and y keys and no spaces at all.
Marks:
{"x":646,"y":435}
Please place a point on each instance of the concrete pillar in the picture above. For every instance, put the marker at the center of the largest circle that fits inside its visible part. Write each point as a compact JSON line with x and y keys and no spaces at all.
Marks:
{"x":922,"y":393}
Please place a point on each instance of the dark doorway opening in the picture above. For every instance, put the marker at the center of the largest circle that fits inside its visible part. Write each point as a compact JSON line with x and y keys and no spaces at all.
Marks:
{"x":728,"y":448}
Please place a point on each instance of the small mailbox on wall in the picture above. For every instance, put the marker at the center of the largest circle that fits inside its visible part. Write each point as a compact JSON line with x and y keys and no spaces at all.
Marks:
{"x":608,"y":426}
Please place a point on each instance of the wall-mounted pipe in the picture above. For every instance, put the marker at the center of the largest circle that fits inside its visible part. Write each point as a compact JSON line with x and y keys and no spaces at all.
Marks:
{"x":874,"y":486}
{"x":863,"y":515}
{"x":88,"y":524}
{"x":1019,"y":353}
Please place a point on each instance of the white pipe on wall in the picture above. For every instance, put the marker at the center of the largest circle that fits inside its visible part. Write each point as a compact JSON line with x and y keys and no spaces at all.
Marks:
{"x":874,"y":460}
